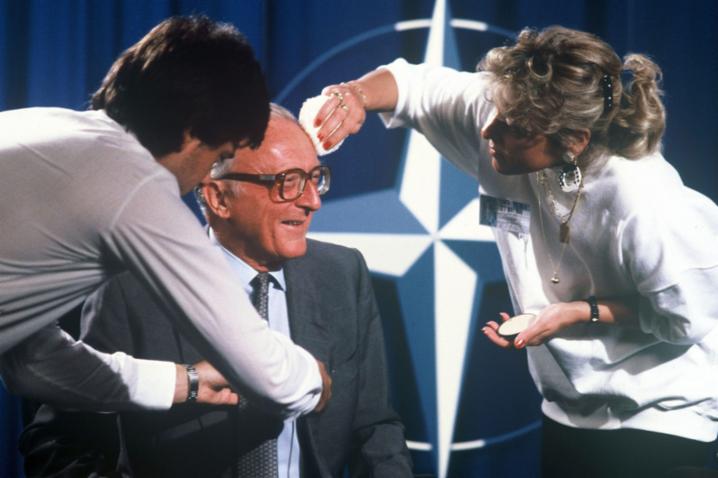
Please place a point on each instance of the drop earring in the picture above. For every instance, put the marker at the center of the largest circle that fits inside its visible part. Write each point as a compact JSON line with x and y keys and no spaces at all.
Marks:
{"x":569,"y":178}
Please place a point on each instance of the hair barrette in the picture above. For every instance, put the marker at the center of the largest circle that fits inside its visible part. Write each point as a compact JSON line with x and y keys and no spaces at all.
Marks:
{"x":607,"y":84}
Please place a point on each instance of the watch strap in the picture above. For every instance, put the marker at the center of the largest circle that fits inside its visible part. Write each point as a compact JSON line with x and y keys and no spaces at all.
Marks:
{"x":192,"y":383}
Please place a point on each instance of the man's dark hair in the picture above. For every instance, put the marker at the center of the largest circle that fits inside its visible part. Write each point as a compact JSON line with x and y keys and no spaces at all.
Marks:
{"x":187,"y":73}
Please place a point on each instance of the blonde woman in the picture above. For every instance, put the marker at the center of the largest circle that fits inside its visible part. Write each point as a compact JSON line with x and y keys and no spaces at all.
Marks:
{"x":616,"y":258}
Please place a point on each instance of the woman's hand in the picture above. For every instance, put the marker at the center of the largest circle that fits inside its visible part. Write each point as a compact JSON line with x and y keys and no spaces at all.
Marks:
{"x":491,"y":328}
{"x":342,"y":114}
{"x":548,"y":323}
{"x":551,"y":320}
{"x":345,"y":110}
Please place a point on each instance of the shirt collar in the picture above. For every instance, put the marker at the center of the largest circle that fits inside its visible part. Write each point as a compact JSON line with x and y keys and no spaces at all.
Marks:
{"x":244,"y":272}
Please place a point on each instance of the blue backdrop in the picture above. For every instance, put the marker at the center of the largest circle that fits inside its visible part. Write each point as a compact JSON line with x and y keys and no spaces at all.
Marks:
{"x":470,"y":409}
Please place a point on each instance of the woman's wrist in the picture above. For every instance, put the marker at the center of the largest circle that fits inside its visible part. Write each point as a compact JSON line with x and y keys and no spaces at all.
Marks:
{"x":579,"y":311}
{"x":359,"y":91}
{"x":377,"y":90}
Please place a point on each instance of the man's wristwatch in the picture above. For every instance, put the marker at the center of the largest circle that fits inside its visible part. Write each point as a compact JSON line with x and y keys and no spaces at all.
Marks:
{"x":192,"y":383}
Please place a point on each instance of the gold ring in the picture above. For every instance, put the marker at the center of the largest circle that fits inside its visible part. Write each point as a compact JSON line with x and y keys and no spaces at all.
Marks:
{"x":338,"y":95}
{"x":344,"y":107}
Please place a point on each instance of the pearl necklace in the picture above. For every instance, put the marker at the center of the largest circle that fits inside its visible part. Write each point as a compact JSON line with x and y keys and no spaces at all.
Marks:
{"x":564,"y":230}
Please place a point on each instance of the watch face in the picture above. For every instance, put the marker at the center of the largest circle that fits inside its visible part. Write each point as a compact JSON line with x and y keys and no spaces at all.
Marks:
{"x":516,"y":324}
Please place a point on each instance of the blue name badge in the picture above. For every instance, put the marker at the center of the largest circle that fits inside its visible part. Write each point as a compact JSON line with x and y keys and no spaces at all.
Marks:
{"x":512,"y":216}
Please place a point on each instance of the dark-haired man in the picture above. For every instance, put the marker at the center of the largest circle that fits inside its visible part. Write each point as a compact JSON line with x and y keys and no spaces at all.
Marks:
{"x":259,"y":206}
{"x":90,"y":194}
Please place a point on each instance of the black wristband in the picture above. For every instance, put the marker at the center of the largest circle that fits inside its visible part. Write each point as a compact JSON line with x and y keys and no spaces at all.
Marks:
{"x":192,"y":383}
{"x":594,"y":309}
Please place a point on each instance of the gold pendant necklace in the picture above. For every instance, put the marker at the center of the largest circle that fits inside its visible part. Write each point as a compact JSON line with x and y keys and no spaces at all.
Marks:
{"x":564,"y":231}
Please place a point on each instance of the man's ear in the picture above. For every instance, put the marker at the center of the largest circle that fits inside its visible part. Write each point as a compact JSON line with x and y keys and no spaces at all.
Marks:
{"x":215,"y":198}
{"x":189,"y":143}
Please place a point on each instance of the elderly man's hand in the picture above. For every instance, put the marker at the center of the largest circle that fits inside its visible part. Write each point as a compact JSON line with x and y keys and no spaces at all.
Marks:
{"x":213,"y":387}
{"x":326,"y":388}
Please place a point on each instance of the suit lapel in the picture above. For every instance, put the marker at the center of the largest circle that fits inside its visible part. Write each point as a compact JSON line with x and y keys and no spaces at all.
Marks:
{"x":307,"y":323}
{"x":309,"y":329}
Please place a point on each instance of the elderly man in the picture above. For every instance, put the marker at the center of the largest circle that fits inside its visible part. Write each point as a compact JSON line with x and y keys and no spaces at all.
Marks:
{"x":89,"y":194}
{"x":259,"y":206}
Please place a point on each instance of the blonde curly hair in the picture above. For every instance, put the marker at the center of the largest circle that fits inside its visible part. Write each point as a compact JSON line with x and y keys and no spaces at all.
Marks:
{"x":559,"y":81}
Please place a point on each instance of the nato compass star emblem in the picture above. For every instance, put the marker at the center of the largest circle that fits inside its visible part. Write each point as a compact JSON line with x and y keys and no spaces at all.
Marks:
{"x":422,"y":236}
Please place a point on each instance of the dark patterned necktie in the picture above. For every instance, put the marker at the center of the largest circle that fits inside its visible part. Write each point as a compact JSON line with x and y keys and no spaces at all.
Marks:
{"x":260,"y":462}
{"x":260,"y":294}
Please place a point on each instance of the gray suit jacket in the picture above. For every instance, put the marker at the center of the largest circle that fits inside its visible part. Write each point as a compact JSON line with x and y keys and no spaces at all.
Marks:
{"x":332,"y":313}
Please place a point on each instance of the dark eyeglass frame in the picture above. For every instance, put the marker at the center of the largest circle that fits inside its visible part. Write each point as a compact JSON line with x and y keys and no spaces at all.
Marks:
{"x":277,"y":180}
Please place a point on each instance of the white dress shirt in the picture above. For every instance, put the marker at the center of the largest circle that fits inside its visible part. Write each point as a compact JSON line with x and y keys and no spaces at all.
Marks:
{"x":287,"y":442}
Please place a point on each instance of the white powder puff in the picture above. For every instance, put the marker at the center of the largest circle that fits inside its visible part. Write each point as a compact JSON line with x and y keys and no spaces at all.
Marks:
{"x":310,"y":108}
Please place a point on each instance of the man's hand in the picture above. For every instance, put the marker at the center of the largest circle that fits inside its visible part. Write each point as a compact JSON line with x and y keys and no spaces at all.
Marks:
{"x":326,"y":388}
{"x":213,"y":388}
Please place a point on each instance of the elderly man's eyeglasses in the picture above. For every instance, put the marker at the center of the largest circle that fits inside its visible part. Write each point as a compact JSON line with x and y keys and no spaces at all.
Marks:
{"x":289,"y":183}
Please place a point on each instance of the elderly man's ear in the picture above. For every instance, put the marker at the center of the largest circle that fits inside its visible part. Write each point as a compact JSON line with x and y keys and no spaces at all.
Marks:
{"x":215,"y":198}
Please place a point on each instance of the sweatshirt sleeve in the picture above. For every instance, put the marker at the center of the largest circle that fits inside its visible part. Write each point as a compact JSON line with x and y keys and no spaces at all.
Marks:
{"x":668,"y":248}
{"x":51,"y":366}
{"x":447,"y":106}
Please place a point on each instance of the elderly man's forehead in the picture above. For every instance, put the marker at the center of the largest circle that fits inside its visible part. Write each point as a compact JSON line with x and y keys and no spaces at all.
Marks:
{"x":282,"y":126}
{"x":282,"y":134}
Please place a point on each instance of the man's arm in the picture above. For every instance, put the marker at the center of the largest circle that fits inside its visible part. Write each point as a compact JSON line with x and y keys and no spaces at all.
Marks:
{"x":52,"y":367}
{"x":120,"y":316}
{"x":378,"y":432}
{"x":61,"y":442}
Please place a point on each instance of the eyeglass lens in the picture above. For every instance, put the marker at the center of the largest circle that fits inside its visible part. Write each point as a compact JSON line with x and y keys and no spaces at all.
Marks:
{"x":293,"y":182}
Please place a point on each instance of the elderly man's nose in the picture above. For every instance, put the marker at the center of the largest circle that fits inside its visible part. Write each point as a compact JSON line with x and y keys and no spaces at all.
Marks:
{"x":310,"y":199}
